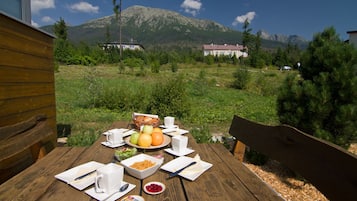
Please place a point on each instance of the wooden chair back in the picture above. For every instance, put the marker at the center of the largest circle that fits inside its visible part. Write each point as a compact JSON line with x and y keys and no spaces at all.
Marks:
{"x":331,"y":169}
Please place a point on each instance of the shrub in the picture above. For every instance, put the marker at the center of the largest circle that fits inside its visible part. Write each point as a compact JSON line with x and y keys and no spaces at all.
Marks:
{"x":200,"y":84}
{"x":170,"y":98}
{"x":201,"y":134}
{"x":84,"y":139}
{"x":174,"y":67}
{"x":241,"y":78}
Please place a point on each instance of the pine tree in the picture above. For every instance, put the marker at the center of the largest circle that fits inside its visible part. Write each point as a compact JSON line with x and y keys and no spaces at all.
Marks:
{"x":323,"y":101}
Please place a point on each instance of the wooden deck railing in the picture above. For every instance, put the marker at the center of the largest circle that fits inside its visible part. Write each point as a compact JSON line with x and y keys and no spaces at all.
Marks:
{"x":331,"y":169}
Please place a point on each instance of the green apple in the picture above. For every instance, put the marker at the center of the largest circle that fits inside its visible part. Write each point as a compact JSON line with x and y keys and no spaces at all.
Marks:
{"x":134,"y":138}
{"x":148,"y":129}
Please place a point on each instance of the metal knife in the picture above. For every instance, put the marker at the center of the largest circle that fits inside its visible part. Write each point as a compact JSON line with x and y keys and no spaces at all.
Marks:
{"x":180,"y":170}
{"x":87,"y":174}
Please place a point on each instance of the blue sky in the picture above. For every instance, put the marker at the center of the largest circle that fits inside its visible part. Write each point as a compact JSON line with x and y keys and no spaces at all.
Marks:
{"x":301,"y":17}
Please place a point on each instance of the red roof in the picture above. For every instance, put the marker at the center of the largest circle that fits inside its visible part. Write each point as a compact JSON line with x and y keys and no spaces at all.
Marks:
{"x":222,"y":47}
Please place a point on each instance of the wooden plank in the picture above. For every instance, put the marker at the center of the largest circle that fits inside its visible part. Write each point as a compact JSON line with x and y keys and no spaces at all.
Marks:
{"x":41,"y":176}
{"x":19,"y":163}
{"x":328,"y":167}
{"x":23,"y":30}
{"x":18,"y":59}
{"x":219,"y":182}
{"x":28,"y":75}
{"x":256,"y":186}
{"x":49,"y":111}
{"x":20,"y":105}
{"x":16,"y":144}
{"x":9,"y":131}
{"x":25,"y":90}
{"x":19,"y":43}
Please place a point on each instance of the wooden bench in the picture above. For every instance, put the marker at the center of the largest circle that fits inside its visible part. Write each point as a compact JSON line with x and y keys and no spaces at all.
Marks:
{"x":331,"y":169}
{"x":22,"y":144}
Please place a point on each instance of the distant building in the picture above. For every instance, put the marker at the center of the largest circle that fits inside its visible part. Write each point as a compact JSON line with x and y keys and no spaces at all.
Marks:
{"x":224,"y":50}
{"x":126,"y":46}
{"x":352,"y":37}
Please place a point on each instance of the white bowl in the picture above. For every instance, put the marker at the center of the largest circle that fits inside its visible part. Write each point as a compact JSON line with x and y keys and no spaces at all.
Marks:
{"x":141,"y":174}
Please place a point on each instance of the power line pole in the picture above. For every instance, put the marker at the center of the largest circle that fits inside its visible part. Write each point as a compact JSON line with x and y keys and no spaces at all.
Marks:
{"x":120,"y":43}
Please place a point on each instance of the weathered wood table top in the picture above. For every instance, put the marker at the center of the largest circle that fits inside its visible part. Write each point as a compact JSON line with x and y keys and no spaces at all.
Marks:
{"x":227,"y":179}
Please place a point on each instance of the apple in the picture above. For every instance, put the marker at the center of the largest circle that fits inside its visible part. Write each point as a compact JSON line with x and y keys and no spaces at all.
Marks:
{"x":148,"y":129}
{"x":134,"y":138}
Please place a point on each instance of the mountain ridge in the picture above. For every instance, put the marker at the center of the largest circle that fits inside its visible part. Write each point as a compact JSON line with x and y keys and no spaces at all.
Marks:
{"x":159,"y":27}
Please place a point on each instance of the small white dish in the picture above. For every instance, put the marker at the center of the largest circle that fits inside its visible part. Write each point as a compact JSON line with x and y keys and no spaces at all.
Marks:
{"x":105,"y":196}
{"x":126,"y":132}
{"x":108,"y":144}
{"x":165,"y":127}
{"x":174,"y":131}
{"x":183,"y":153}
{"x":156,"y":184}
{"x":70,"y":175}
{"x":190,"y":173}
{"x":133,"y":198}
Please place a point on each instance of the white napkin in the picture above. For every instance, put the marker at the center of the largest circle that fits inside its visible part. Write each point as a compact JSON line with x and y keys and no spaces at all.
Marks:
{"x":194,"y":168}
{"x":148,"y":115}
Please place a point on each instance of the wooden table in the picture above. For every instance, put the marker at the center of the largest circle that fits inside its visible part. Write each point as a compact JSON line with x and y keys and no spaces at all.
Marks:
{"x":227,"y":179}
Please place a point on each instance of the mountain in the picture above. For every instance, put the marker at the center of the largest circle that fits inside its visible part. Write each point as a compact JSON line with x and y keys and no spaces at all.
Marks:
{"x":153,"y":27}
{"x":292,"y":39}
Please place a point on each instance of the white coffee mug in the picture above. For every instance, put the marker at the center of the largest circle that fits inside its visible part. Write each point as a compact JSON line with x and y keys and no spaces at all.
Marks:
{"x":109,"y":178}
{"x":115,"y":137}
{"x":169,"y":122}
{"x":179,"y":143}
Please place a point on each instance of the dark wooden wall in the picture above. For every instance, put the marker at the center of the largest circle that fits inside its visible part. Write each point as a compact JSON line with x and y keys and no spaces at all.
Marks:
{"x":27,"y":84}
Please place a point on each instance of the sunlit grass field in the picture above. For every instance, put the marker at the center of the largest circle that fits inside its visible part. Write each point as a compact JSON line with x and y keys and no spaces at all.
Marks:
{"x":214,"y":107}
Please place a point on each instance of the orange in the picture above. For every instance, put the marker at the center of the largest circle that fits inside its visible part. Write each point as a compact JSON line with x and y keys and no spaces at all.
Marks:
{"x":157,"y":130}
{"x":157,"y":138}
{"x":144,"y":140}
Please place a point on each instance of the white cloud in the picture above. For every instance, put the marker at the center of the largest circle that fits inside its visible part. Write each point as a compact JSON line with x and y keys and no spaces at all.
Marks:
{"x":37,"y":5}
{"x":192,"y":6}
{"x":34,"y":24}
{"x":84,"y":7}
{"x":47,"y":19}
{"x":241,"y":19}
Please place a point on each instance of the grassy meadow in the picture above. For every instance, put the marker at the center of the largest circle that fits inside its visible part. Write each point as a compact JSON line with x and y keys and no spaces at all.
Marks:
{"x":213,"y":101}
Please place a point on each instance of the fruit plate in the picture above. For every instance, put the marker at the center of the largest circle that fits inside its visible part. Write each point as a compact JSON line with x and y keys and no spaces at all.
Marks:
{"x":167,"y":140}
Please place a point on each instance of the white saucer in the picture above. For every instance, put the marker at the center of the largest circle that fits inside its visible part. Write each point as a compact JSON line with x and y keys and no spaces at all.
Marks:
{"x":103,"y":196}
{"x":165,"y":127}
{"x":126,"y":132}
{"x":107,"y":144}
{"x":183,"y":153}
{"x":174,"y":131}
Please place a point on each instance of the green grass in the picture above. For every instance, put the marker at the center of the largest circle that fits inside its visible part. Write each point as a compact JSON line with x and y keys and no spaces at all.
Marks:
{"x":214,"y":107}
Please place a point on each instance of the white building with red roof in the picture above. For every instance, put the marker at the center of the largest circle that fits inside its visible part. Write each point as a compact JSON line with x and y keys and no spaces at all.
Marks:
{"x":224,"y":50}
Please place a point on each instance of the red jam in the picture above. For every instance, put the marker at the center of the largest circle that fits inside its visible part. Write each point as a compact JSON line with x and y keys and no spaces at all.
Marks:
{"x":154,"y":188}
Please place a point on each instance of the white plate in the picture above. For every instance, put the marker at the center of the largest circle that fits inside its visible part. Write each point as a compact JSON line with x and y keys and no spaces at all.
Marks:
{"x":126,"y":132}
{"x":157,"y":183}
{"x":190,"y":173}
{"x":173,"y":131}
{"x":164,"y":127}
{"x":184,"y":152}
{"x":107,"y":144}
{"x":166,"y":141}
{"x":133,"y":197}
{"x":102,"y":196}
{"x":69,"y":175}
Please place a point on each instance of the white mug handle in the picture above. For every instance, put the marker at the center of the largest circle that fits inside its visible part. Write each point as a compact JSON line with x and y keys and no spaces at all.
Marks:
{"x":108,"y":137}
{"x":97,"y":188}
